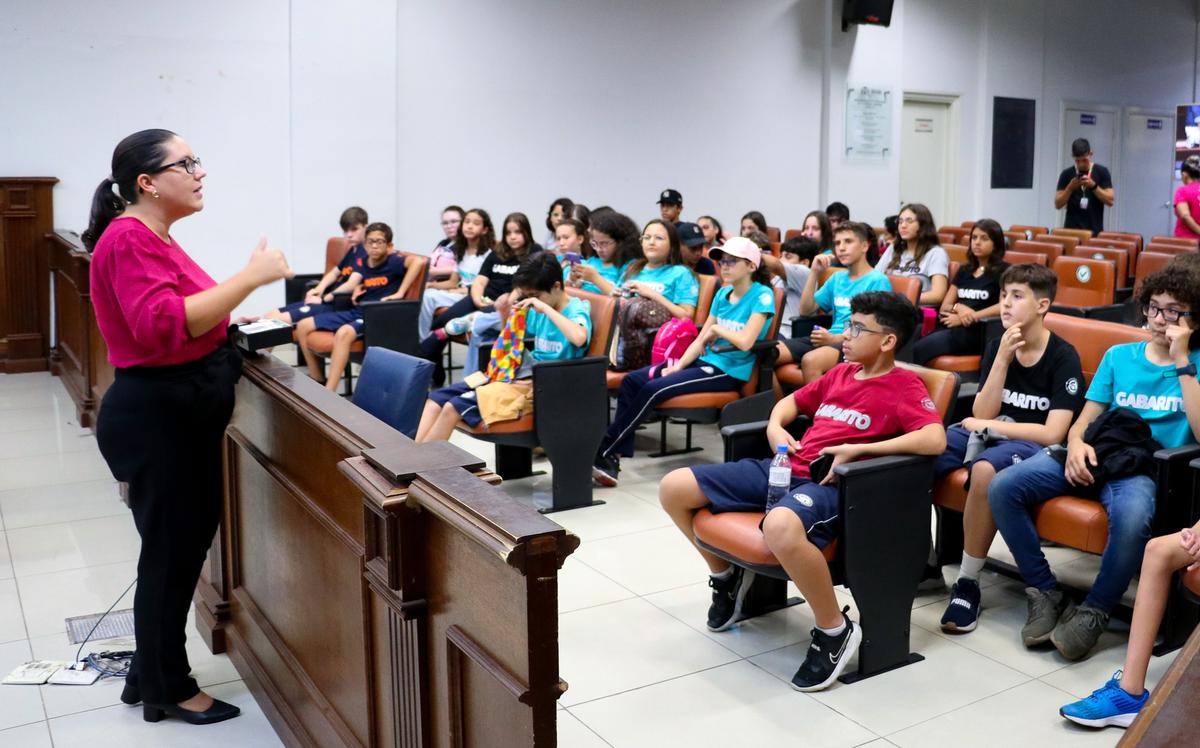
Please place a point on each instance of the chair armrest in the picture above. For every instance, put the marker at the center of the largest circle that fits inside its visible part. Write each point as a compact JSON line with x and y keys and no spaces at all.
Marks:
{"x":1175,"y":498}
{"x":391,"y":325}
{"x":295,"y":287}
{"x":570,"y":402}
{"x":1106,"y":312}
{"x":744,"y":440}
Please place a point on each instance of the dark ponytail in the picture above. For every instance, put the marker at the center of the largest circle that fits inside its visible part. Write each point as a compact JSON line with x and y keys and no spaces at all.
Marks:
{"x":140,"y":153}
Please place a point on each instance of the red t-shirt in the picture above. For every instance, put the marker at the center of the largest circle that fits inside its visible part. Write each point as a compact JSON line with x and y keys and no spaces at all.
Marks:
{"x":846,"y":410}
{"x":138,"y":284}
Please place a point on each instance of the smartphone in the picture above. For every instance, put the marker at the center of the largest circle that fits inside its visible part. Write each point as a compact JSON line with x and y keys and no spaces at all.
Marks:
{"x":819,"y":468}
{"x":573,"y":258}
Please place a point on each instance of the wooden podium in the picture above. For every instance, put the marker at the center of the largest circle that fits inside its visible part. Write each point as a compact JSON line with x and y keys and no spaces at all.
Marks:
{"x":401,"y":600}
{"x":26,"y":216}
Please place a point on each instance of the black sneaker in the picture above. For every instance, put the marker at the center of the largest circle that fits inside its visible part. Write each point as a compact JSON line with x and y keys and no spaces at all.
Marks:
{"x":605,"y":470}
{"x":931,"y":579}
{"x":727,"y":597}
{"x":962,"y":614}
{"x":827,"y":657}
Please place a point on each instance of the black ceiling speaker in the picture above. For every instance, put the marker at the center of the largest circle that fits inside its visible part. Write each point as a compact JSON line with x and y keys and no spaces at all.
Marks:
{"x":873,"y":12}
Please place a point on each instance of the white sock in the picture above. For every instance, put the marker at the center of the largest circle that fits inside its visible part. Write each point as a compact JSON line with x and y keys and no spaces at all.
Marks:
{"x":836,"y":630}
{"x":971,"y":567}
{"x":722,"y":574}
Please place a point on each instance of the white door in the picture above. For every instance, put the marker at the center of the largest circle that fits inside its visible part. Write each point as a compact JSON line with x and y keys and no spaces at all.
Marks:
{"x":1144,"y":192}
{"x":1100,"y":129}
{"x":925,"y":161}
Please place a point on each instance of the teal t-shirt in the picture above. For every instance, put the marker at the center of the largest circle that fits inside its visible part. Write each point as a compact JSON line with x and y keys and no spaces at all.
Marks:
{"x":1127,"y":379}
{"x":733,"y":316}
{"x":675,"y":282}
{"x":835,"y":295}
{"x":610,"y":273}
{"x":548,"y":342}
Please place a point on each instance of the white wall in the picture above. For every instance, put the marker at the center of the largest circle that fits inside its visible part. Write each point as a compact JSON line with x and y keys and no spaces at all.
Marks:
{"x":300,"y":108}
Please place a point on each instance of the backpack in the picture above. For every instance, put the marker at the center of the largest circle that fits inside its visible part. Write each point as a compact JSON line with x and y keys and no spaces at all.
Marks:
{"x":638,"y":321}
{"x":672,"y":339}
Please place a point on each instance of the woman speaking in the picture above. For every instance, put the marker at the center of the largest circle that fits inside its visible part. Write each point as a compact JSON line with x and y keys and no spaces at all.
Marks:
{"x":162,"y":421}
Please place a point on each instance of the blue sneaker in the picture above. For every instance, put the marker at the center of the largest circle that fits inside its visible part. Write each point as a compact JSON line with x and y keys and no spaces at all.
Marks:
{"x":459,"y":325}
{"x":1109,"y":705}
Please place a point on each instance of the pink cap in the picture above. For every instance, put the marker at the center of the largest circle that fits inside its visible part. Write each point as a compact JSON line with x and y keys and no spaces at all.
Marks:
{"x":738,"y":246}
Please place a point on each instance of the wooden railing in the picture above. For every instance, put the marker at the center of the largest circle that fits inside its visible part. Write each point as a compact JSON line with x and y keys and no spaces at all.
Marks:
{"x":79,"y":355}
{"x":26,"y":215}
{"x":375,"y":592}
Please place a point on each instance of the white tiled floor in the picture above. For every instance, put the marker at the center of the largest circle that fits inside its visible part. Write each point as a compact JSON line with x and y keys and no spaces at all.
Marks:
{"x":642,"y":668}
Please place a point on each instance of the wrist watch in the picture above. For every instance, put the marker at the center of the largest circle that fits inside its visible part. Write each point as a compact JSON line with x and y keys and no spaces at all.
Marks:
{"x":1186,"y":371}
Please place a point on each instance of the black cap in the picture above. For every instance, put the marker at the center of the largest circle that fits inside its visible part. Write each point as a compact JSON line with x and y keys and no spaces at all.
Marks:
{"x":690,"y":233}
{"x":670,"y":197}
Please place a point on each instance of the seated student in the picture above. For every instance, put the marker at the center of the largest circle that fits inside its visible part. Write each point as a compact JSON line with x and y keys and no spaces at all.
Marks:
{"x":1119,"y":701}
{"x":472,"y":245}
{"x":792,"y":270}
{"x":821,"y":349}
{"x":386,"y":275}
{"x":320,"y":297}
{"x":900,"y":419}
{"x":670,"y":205}
{"x":891,"y":230}
{"x":838,"y":214}
{"x":1028,"y":397}
{"x":817,"y":227}
{"x":1156,"y":380}
{"x":718,"y":360}
{"x":974,"y":294}
{"x":490,"y":291}
{"x":691,"y":247}
{"x":571,"y":245}
{"x":616,"y":241}
{"x":442,"y":261}
{"x":559,"y":209}
{"x":714,"y":233}
{"x":558,"y":325}
{"x":660,"y":273}
{"x":917,"y":253}
{"x":753,"y":221}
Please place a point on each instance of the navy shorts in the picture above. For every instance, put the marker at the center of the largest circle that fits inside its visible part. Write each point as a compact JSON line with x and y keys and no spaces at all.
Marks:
{"x":331,"y":321}
{"x":463,"y":399}
{"x":742,"y":487}
{"x":1002,"y":454}
{"x":800,"y":346}
{"x":303,"y":310}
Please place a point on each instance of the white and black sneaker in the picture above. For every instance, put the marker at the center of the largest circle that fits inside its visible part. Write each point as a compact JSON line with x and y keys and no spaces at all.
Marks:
{"x":605,"y":470}
{"x":728,"y":595}
{"x":962,"y":614}
{"x":827,"y":657}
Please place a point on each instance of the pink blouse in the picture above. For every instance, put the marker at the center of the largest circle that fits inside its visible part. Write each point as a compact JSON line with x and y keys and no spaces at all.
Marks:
{"x":138,"y":284}
{"x":1190,"y":194}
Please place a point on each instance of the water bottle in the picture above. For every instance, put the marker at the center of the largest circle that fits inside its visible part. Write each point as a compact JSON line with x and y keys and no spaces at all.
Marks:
{"x":779,"y":477}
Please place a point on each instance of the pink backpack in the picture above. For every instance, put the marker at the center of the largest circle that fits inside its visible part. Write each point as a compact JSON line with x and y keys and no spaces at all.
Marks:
{"x":672,"y":339}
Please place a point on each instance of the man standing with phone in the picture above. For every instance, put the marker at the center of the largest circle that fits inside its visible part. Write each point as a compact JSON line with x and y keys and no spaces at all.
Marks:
{"x":1084,"y":189}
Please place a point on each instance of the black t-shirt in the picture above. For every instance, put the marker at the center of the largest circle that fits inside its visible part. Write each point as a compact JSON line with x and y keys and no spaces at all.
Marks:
{"x":979,"y":293}
{"x":704,"y":266}
{"x":1091,"y":217}
{"x":499,"y":272}
{"x":383,"y":280}
{"x":1055,"y":382}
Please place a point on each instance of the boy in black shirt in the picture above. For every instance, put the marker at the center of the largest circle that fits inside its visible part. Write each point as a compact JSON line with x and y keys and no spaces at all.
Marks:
{"x":1032,"y":388}
{"x":1084,"y":190}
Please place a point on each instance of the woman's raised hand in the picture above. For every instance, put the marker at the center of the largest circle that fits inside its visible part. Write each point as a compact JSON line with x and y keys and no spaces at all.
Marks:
{"x":267,"y":264}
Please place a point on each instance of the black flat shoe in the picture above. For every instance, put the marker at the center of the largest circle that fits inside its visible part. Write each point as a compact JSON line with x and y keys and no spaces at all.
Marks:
{"x":130,"y":694}
{"x":218,"y":712}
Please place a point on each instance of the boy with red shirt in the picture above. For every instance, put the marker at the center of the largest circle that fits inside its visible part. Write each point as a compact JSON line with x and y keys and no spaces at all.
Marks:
{"x":865,"y":407}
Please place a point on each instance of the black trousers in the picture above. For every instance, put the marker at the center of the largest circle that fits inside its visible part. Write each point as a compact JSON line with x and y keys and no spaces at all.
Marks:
{"x":160,"y":430}
{"x":949,"y":341}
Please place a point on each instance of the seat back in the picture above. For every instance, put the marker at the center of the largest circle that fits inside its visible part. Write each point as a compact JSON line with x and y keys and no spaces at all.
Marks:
{"x":604,"y":319}
{"x":956,"y":252}
{"x":386,"y":384}
{"x":942,"y":387}
{"x":773,"y":233}
{"x":1084,"y":282}
{"x":1135,"y":238}
{"x":417,"y":289}
{"x":792,"y":234}
{"x":961,"y":234}
{"x":1092,"y":338}
{"x":1150,"y":262}
{"x":1118,"y":257}
{"x":392,"y":325}
{"x":967,"y":224}
{"x":1050,"y":249}
{"x":1131,"y":248}
{"x":907,"y":286}
{"x":1170,"y":249}
{"x":1066,"y":242}
{"x":335,"y":250}
{"x":955,"y":266}
{"x":1013,"y":257}
{"x":945,"y":237}
{"x":1181,"y":241}
{"x":1083,"y":235}
{"x":751,"y":385}
{"x":1014,"y":236}
{"x":827,"y":274}
{"x":708,"y":289}
{"x":776,"y":247}
{"x":1029,"y":231}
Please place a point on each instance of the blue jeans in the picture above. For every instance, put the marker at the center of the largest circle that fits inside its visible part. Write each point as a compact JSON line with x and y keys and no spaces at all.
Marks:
{"x":1129,"y":503}
{"x":484,"y":331}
